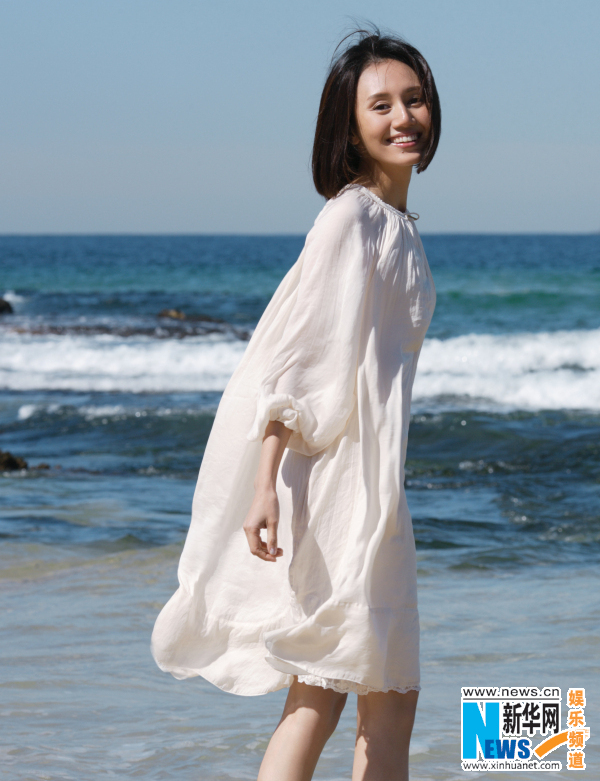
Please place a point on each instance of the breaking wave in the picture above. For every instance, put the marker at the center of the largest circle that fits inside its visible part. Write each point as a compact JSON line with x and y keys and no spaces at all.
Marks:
{"x":552,"y":370}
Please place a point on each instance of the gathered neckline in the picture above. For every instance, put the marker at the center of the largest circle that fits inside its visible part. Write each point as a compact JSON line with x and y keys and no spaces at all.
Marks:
{"x":380,"y":201}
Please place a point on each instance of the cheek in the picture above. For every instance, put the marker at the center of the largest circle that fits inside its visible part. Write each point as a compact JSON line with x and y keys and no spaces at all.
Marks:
{"x":375,"y":126}
{"x":425,"y":119}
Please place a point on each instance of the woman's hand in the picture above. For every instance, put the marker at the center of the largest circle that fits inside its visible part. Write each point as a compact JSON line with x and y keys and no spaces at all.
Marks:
{"x":263,"y":514}
{"x":264,"y":511}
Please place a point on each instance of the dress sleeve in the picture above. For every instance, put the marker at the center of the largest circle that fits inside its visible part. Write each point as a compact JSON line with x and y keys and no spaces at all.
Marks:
{"x":310,"y":382}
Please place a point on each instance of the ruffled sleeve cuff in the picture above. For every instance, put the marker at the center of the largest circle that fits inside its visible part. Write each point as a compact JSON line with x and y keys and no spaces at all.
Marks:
{"x":276,"y":406}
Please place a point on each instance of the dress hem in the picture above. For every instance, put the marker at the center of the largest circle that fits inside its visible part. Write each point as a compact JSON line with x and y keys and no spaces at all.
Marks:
{"x":313,"y":678}
{"x":345,"y":686}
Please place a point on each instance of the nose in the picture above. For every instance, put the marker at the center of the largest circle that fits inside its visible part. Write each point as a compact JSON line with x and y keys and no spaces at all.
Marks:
{"x":402,"y":116}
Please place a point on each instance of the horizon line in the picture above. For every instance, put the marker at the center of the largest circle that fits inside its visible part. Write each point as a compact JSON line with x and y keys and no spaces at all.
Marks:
{"x":242,"y":234}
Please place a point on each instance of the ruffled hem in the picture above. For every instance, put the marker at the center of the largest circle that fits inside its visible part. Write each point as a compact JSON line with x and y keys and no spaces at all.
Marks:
{"x":344,"y":687}
{"x":280,"y":406}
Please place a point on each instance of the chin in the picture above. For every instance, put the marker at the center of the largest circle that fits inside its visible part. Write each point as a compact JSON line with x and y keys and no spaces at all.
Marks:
{"x":406,"y":160}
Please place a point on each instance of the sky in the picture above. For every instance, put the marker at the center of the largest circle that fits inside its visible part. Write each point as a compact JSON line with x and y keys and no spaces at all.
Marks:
{"x":189,"y":116}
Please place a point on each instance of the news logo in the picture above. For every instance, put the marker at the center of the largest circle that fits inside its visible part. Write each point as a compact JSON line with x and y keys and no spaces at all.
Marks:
{"x":517,"y":727}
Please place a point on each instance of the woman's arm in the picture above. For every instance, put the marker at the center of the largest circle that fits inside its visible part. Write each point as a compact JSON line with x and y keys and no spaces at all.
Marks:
{"x":264,"y":511}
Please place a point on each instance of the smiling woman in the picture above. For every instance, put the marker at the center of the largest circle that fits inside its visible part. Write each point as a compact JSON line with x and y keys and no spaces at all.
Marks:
{"x":392,"y":119}
{"x":382,"y":76}
{"x":328,"y":603}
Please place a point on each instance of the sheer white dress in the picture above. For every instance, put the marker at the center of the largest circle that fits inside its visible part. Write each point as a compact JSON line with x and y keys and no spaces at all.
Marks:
{"x":333,"y":357}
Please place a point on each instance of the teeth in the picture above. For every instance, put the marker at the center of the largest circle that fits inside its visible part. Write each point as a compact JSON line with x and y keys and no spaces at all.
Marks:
{"x":403,"y":139}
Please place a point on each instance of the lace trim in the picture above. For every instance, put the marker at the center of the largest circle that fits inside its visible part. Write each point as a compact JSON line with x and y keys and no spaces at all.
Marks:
{"x":343,"y":687}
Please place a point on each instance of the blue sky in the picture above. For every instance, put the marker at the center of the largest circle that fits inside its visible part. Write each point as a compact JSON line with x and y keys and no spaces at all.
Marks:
{"x":169,"y":116}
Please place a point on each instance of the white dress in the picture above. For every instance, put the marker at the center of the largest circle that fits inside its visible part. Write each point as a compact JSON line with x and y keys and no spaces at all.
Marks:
{"x":333,"y":357}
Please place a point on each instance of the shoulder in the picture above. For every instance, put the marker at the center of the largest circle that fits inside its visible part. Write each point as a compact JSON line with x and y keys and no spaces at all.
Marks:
{"x":351,"y":211}
{"x":346,"y":233}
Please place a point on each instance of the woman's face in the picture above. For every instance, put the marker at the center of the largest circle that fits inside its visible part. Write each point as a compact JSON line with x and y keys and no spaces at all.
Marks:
{"x":392,"y":119}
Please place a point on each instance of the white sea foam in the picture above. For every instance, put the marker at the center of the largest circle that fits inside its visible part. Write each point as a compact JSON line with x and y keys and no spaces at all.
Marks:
{"x":26,"y":411}
{"x":559,"y":370}
{"x":12,"y":297}
{"x":120,"y":411}
{"x":109,"y":363}
{"x":104,"y":411}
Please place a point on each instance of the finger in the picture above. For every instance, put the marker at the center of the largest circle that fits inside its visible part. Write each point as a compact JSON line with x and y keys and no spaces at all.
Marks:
{"x":254,"y":541}
{"x":267,"y":553}
{"x":258,"y":547}
{"x":267,"y":550}
{"x":272,"y":537}
{"x":279,"y":550}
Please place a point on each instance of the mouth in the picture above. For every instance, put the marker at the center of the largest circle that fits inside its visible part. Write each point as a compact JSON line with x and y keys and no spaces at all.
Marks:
{"x":404,"y":141}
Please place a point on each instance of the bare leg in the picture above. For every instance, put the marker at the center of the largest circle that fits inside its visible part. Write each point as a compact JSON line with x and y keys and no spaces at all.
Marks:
{"x":309,"y":718}
{"x":384,"y":726}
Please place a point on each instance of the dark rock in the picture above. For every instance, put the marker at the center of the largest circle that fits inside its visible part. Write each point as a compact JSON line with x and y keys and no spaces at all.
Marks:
{"x":173,"y":314}
{"x":5,"y":307}
{"x":177,"y":314}
{"x":43,"y":465}
{"x":9,"y":463}
{"x":205,"y":319}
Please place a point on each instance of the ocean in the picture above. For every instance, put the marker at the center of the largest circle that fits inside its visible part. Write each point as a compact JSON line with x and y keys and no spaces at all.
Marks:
{"x":112,"y":365}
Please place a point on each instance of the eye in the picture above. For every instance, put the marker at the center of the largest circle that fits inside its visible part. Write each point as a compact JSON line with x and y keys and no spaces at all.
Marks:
{"x":415,"y":101}
{"x":379,"y":106}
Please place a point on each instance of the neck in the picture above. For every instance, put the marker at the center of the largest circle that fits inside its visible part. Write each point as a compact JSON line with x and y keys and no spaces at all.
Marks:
{"x":390,"y":186}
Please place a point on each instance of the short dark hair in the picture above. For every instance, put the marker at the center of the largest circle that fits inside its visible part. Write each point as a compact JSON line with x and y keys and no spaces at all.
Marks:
{"x":335,"y":161}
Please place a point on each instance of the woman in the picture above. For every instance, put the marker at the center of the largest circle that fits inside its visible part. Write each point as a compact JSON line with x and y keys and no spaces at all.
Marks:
{"x":328,"y":603}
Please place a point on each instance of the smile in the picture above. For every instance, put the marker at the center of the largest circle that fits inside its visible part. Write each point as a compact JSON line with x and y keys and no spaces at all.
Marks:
{"x":404,"y":140}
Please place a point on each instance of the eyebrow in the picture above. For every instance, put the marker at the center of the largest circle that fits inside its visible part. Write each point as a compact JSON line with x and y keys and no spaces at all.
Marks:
{"x":378,"y":95}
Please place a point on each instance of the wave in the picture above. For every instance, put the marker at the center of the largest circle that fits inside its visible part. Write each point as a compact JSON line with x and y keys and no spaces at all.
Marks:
{"x":529,"y":371}
{"x":166,"y":330}
{"x":110,"y":363}
{"x":552,"y":370}
{"x":12,"y":297}
{"x":91,"y":412}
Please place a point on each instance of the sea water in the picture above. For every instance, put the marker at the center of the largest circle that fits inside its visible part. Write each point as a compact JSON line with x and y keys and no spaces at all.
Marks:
{"x":503,"y":482}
